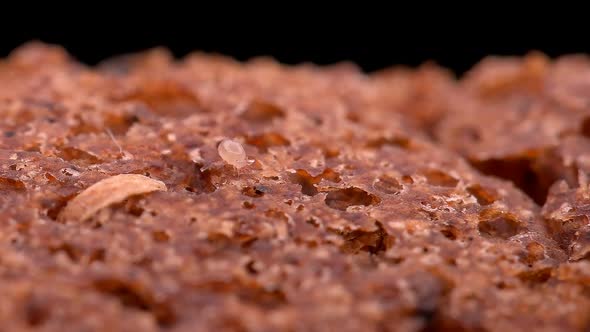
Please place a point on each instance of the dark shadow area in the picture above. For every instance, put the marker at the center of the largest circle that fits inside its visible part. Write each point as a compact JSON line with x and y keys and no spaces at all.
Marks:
{"x":371,"y":43}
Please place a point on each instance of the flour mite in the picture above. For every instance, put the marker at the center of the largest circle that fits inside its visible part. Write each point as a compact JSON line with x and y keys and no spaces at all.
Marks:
{"x":233,"y":153}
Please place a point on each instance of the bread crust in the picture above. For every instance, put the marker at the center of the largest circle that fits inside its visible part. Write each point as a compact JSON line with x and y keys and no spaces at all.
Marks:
{"x":403,"y":200}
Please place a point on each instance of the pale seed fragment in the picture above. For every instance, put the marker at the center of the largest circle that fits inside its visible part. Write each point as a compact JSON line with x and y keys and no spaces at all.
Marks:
{"x":232,"y":153}
{"x":106,"y":192}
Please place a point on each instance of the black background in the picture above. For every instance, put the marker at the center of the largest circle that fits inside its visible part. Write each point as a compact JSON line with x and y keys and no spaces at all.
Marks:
{"x":373,"y":43}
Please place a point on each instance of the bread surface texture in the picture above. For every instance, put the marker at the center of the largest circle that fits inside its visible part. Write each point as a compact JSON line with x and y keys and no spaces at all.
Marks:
{"x":150,"y":193}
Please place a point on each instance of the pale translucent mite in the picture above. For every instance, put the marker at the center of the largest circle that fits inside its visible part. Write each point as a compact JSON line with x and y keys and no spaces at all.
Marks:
{"x":233,"y":153}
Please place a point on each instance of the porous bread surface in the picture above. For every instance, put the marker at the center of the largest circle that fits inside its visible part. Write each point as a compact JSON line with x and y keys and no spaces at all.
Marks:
{"x":403,"y":200}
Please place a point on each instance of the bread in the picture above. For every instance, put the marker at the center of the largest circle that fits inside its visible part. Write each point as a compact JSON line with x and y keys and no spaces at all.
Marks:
{"x":403,"y":200}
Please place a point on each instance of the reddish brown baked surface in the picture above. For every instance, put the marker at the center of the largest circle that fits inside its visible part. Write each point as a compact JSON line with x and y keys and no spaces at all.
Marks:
{"x":402,"y":200}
